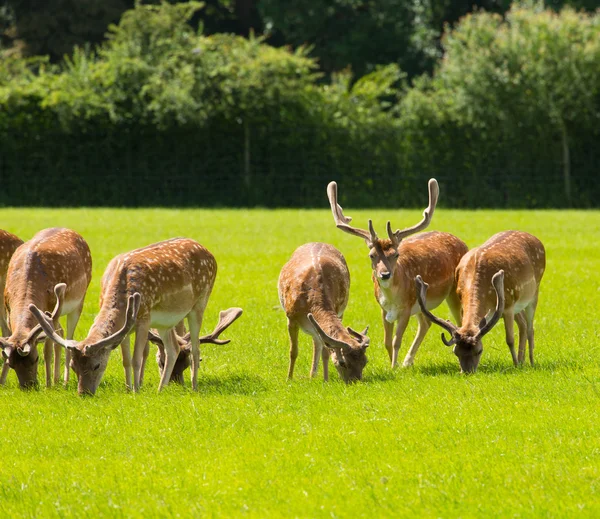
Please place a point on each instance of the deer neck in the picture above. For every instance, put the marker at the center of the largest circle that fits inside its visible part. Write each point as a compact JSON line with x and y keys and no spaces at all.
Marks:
{"x":21,"y":318}
{"x":110,"y":319}
{"x":332,"y":325}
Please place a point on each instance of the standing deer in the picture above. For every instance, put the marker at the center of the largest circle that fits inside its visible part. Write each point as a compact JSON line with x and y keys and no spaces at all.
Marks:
{"x":314,"y":286}
{"x":395,"y":263}
{"x":513,"y":263}
{"x":184,"y":360}
{"x":155,"y":286}
{"x":51,"y":257}
{"x":8,"y":244}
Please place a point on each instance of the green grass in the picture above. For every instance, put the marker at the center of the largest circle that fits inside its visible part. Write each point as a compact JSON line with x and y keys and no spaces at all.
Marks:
{"x":425,"y":441}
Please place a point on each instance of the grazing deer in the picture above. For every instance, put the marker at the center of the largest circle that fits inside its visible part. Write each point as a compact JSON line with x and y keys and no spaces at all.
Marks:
{"x":512,"y":262}
{"x":395,"y":263}
{"x":226,"y":318}
{"x":314,"y":286}
{"x":51,"y":257}
{"x":155,"y":286}
{"x":8,"y":244}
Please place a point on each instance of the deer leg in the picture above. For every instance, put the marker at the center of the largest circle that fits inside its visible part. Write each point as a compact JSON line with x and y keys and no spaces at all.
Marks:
{"x":529,"y":315}
{"x":72,"y":320}
{"x":325,"y":356}
{"x":141,"y":340}
{"x":57,"y":352}
{"x":388,"y":334}
{"x":293,"y":333}
{"x":424,"y":326}
{"x":317,"y":347}
{"x":509,"y":321}
{"x":5,"y":333}
{"x":4,"y":374}
{"x":403,"y":319}
{"x":195,"y":323}
{"x":48,"y":350}
{"x":126,"y":354}
{"x":144,"y":359}
{"x":171,"y":352}
{"x":522,"y":325}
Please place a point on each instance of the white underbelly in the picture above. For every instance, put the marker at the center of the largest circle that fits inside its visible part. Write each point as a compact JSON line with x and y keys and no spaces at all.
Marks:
{"x":161,"y":319}
{"x":69,"y":306}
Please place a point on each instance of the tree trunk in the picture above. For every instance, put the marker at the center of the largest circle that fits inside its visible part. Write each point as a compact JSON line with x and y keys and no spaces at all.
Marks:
{"x":566,"y":165}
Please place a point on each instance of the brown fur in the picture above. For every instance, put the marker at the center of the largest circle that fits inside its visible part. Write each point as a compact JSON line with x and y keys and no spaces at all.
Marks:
{"x":316,"y":281}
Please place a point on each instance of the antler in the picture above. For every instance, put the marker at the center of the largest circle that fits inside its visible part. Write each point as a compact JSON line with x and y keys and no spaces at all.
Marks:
{"x":133,"y":306}
{"x":421,"y":298}
{"x":59,"y":292}
{"x":498,"y":282}
{"x":330,"y":342}
{"x":226,"y":319}
{"x":399,"y":235}
{"x":341,"y":221}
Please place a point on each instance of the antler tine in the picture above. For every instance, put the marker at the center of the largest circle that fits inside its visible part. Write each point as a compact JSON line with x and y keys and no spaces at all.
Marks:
{"x":421,"y":298}
{"x":342,"y":221}
{"x":434,"y":193}
{"x":59,"y":292}
{"x":326,"y":338}
{"x":498,"y":282}
{"x":133,"y":305}
{"x":226,"y":319}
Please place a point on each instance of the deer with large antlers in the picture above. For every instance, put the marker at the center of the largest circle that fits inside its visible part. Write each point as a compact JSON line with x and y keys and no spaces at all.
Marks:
{"x":155,"y":286}
{"x":184,"y":360}
{"x":396,"y":261}
{"x":314,"y":286}
{"x":8,"y":245}
{"x":52,"y":257}
{"x":500,"y":278}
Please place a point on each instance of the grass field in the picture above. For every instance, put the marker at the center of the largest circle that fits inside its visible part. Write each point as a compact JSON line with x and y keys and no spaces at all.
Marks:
{"x":425,"y":441}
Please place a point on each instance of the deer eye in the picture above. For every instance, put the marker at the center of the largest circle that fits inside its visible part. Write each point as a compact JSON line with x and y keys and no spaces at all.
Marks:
{"x":96,"y":367}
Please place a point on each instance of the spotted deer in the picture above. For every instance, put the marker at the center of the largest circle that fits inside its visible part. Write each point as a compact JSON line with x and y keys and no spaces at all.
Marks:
{"x":314,"y":286}
{"x":500,"y":278}
{"x":52,"y":257}
{"x":155,"y":286}
{"x":8,"y":244}
{"x":397,"y":260}
{"x":226,"y":319}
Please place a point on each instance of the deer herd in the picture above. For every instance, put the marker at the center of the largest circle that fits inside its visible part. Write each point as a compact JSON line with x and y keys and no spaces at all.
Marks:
{"x":149,"y":292}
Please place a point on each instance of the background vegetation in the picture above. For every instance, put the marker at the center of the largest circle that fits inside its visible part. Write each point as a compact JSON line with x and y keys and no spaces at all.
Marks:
{"x":505,"y":103}
{"x":420,"y":442}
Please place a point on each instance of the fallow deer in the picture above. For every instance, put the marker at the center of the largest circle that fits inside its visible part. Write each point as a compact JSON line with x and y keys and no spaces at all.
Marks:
{"x":155,"y":286}
{"x":396,"y":261}
{"x":51,"y":257}
{"x":8,"y":244}
{"x":314,"y":287}
{"x":513,"y":263}
{"x":226,"y":318}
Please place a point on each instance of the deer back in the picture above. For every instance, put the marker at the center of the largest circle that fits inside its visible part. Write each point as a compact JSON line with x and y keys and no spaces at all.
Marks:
{"x":51,"y":257}
{"x":522,"y":258}
{"x":8,"y":245}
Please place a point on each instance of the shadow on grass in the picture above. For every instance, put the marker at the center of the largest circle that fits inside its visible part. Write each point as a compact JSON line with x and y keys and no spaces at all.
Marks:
{"x":231,"y":384}
{"x":504,"y":368}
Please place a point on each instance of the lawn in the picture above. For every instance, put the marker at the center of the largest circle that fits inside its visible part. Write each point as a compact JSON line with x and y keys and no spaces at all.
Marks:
{"x":424,"y":441}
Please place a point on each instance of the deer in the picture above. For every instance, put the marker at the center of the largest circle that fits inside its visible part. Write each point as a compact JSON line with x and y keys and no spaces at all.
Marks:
{"x":314,"y":286}
{"x":51,"y":258}
{"x":226,"y":319}
{"x":155,"y":286}
{"x":8,"y":245}
{"x":396,"y":261}
{"x":500,"y":278}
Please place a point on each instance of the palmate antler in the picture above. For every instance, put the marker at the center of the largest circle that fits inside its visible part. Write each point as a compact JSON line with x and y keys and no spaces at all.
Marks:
{"x":226,"y":319}
{"x":342,"y":222}
{"x":59,"y":292}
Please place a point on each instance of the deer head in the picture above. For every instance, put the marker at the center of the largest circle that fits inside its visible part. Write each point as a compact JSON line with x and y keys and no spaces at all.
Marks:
{"x":226,"y":319}
{"x":466,"y":341}
{"x":89,"y":360}
{"x":348,"y":355}
{"x":21,"y":352}
{"x":383,"y":253}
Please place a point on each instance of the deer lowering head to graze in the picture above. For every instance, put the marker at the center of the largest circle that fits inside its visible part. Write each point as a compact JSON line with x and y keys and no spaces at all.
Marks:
{"x":501,"y":278}
{"x":184,"y":360}
{"x":396,"y":261}
{"x":52,"y":257}
{"x":155,"y":286}
{"x":314,"y":286}
{"x":8,"y":245}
